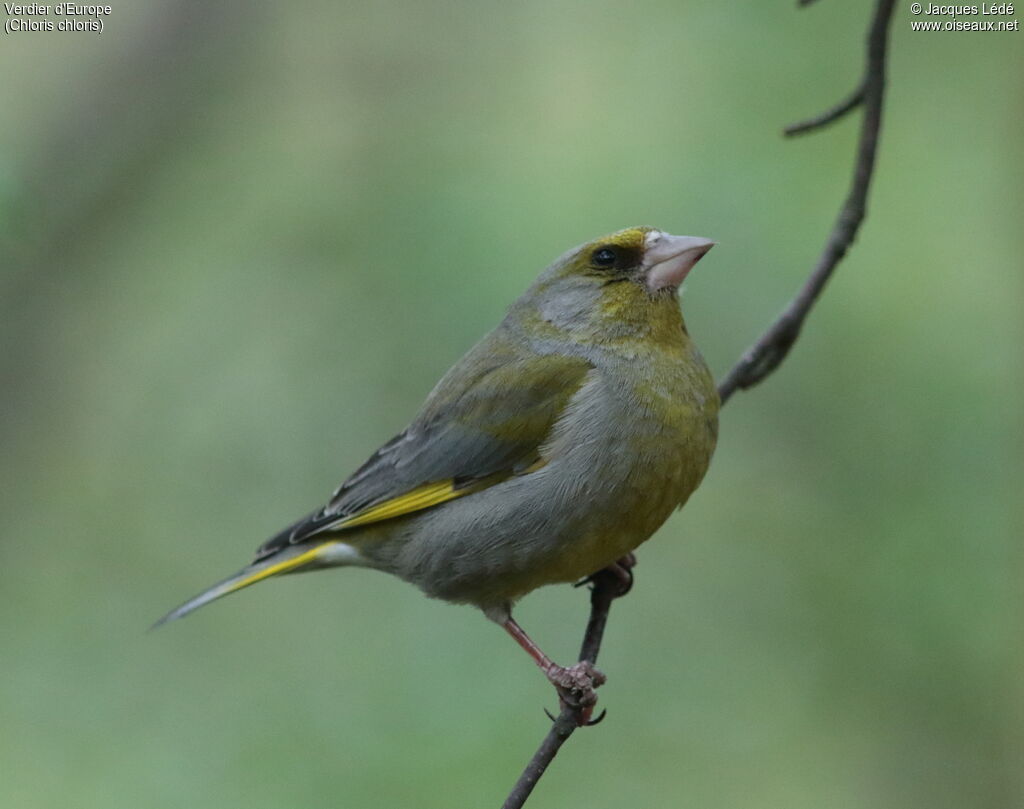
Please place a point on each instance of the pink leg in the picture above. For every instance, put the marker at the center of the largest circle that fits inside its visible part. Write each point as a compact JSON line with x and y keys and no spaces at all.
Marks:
{"x":575,"y":684}
{"x":532,"y":649}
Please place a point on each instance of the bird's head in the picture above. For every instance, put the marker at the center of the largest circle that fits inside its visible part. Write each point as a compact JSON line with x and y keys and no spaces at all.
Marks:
{"x":626,"y":282}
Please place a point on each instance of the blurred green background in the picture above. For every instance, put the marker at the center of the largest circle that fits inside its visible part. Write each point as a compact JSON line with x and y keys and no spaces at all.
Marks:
{"x":240,"y":241}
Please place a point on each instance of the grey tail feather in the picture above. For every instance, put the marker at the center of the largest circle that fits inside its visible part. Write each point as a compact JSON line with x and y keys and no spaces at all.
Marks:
{"x":218,"y":590}
{"x":243,"y":578}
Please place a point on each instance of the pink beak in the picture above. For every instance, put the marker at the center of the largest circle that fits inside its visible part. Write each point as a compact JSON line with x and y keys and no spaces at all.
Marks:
{"x":668,"y":259}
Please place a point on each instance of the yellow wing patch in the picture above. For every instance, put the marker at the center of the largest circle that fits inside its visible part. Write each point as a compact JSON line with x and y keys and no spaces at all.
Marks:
{"x":422,"y":497}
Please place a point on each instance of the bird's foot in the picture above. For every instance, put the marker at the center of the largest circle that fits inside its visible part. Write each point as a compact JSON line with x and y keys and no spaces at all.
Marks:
{"x":577,"y":688}
{"x":620,"y":572}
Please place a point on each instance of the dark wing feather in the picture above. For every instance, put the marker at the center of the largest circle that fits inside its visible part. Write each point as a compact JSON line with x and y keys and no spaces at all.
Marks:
{"x":486,"y":419}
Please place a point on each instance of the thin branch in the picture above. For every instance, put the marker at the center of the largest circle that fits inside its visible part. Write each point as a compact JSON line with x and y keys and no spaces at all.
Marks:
{"x":829,"y":116}
{"x":758,"y":362}
{"x":773,"y":346}
{"x":606,"y":588}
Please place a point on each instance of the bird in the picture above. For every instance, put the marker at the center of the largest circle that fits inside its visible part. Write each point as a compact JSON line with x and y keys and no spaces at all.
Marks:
{"x":556,"y":446}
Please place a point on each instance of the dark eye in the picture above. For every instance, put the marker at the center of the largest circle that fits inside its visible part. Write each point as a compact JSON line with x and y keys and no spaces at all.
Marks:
{"x":604,"y":257}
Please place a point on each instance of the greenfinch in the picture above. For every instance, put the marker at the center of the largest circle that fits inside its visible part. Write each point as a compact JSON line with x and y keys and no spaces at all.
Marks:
{"x":557,"y":445}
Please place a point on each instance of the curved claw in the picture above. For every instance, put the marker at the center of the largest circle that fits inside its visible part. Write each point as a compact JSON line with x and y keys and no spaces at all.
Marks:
{"x":600,"y":718}
{"x":589,"y":723}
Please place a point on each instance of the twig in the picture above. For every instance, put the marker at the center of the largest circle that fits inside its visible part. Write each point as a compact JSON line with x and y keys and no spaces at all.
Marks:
{"x":829,"y":116}
{"x":759,"y":361}
{"x":773,"y":346}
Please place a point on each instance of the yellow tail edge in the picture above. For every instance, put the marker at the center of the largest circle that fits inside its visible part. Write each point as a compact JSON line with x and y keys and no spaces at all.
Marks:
{"x":274,"y":566}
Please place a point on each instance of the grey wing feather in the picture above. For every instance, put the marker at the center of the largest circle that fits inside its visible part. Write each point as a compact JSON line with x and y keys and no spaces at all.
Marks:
{"x":490,"y":413}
